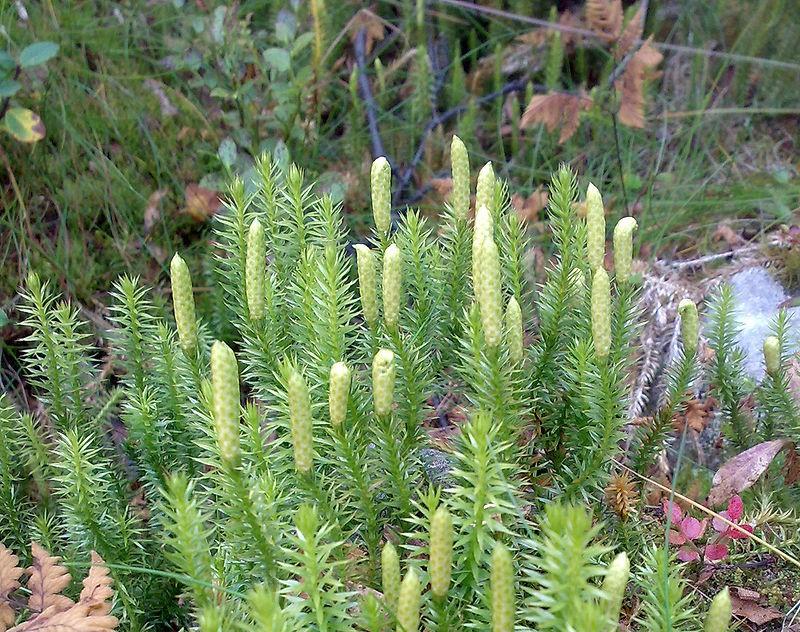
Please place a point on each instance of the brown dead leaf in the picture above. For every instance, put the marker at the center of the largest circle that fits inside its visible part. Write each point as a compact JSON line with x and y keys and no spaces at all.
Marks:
{"x":605,"y":18}
{"x":528,"y":208}
{"x":747,"y":594}
{"x":201,"y":203}
{"x":556,"y":110}
{"x":740,"y":472}
{"x":696,"y":415}
{"x":442,"y":186}
{"x":753,"y":612}
{"x":372,"y":24}
{"x":630,"y":34}
{"x":630,"y":86}
{"x":725,"y":233}
{"x":152,"y":212}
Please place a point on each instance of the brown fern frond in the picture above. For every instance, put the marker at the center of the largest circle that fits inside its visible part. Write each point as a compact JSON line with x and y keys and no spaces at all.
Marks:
{"x":97,"y":590}
{"x":605,"y":18}
{"x":556,"y":110}
{"x":630,"y":86}
{"x":630,"y":34}
{"x":10,"y":573}
{"x":89,"y":614}
{"x":47,"y":580}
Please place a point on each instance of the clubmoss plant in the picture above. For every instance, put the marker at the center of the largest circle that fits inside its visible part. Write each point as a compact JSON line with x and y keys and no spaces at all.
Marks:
{"x":283,"y":498}
{"x":596,"y":228}
{"x":460,"y":197}
{"x":183,"y":303}
{"x":485,"y":192}
{"x":255,"y":279}
{"x":623,"y":248}
{"x":392,"y":286}
{"x":381,"y":185}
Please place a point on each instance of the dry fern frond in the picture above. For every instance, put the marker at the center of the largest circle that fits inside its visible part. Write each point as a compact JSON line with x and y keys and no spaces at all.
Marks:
{"x":97,"y":591}
{"x":10,"y":573}
{"x":621,"y":495}
{"x":605,"y":18}
{"x":630,"y":34}
{"x":630,"y":86}
{"x":53,"y":612}
{"x":555,"y":110}
{"x":47,"y":580}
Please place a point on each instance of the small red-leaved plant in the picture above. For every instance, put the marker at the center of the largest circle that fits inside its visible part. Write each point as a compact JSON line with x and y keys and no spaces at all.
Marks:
{"x":686,"y":531}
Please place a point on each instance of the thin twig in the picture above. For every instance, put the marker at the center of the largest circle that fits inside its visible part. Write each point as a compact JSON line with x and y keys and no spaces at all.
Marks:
{"x":675,"y":48}
{"x":366,"y":94}
{"x":720,"y":256}
{"x":517,"y":85}
{"x":773,"y":549}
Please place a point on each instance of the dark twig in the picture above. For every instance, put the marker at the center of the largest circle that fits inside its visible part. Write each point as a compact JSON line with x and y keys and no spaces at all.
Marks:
{"x":517,"y":85}
{"x":366,"y":94}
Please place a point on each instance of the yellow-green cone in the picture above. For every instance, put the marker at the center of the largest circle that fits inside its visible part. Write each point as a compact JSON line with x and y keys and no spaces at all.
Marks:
{"x":408,"y":603}
{"x":772,"y":355}
{"x":381,"y":184}
{"x":514,"y":332}
{"x":255,"y":270}
{"x":623,"y":248}
{"x":441,"y":554}
{"x":690,"y":325}
{"x":390,"y":575}
{"x":459,"y":161}
{"x":183,"y":303}
{"x":484,"y":225}
{"x":490,"y":298}
{"x":595,"y":228}
{"x":338,"y":392}
{"x":367,"y":283}
{"x":614,"y":584}
{"x":226,"y":405}
{"x":718,"y":618}
{"x":484,"y":196}
{"x":392,"y":285}
{"x":601,"y":313}
{"x":301,"y":421}
{"x":383,"y":382}
{"x":502,"y":586}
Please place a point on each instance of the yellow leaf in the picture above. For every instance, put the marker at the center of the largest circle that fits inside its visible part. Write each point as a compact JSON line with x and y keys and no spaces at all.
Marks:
{"x":24,"y":125}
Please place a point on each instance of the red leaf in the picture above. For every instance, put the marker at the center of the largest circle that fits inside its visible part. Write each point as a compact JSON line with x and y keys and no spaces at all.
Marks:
{"x":720,"y":525}
{"x":691,"y":528}
{"x":738,"y":535}
{"x":735,"y":508}
{"x":715,"y":552}
{"x":685,"y":554}
{"x":676,"y":538}
{"x":670,"y":508}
